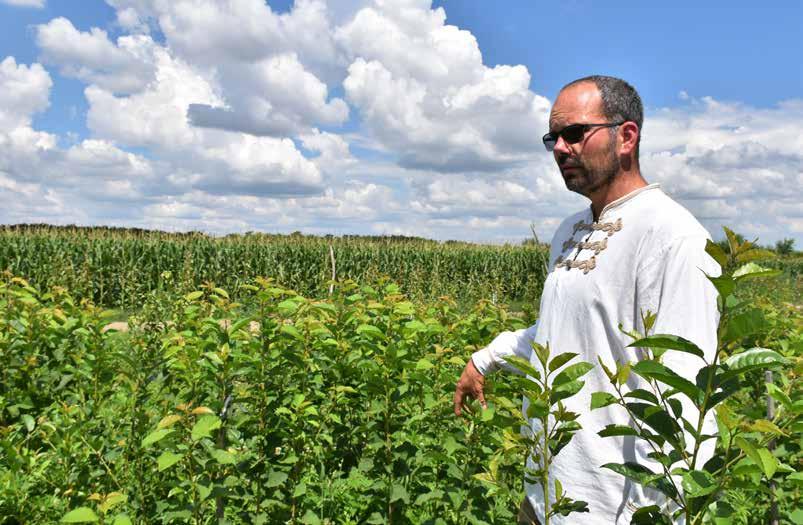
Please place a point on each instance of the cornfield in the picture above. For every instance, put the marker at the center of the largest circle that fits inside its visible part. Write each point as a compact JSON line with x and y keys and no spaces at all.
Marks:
{"x":118,"y":268}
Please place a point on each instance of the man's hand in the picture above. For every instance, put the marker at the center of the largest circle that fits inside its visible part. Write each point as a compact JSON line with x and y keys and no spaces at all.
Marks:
{"x":470,"y":385}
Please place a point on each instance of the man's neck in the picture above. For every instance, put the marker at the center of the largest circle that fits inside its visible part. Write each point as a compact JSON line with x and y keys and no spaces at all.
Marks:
{"x":623,"y":183}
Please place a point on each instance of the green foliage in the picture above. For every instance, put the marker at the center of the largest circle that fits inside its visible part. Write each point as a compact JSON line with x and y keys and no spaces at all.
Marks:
{"x":244,"y":401}
{"x":785,"y":246}
{"x":556,"y":425}
{"x":276,"y":409}
{"x":756,"y":457}
{"x":119,"y":268}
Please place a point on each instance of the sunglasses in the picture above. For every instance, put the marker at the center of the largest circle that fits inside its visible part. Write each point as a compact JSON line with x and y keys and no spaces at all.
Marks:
{"x":572,"y":134}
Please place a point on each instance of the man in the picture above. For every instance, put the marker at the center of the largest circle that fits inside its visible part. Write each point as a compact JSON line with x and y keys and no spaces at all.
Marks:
{"x":633,"y":250}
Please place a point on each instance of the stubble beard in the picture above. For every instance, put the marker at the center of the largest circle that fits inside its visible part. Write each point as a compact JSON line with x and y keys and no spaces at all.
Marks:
{"x":588,"y":180}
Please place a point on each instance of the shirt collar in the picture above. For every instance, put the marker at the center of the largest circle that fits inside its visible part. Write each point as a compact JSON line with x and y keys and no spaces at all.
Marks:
{"x":625,"y":198}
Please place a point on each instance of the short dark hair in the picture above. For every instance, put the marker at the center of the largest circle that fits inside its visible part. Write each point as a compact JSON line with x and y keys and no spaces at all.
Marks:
{"x":620,"y":100}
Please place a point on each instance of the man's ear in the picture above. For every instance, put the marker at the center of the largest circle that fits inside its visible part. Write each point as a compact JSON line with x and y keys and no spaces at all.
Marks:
{"x":628,"y":135}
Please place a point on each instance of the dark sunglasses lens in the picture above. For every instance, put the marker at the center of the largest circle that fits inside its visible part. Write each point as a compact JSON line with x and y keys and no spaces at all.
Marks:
{"x":573,"y":134}
{"x":549,"y":141}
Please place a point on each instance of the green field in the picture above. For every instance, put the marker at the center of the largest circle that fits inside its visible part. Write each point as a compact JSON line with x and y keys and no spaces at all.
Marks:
{"x":232,"y":397}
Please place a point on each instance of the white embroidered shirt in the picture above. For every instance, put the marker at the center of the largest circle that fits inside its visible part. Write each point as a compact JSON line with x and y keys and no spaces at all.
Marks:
{"x":645,"y":252}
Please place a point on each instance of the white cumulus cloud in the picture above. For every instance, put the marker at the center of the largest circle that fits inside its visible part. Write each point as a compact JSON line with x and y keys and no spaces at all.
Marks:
{"x":38,"y":4}
{"x":124,"y":67}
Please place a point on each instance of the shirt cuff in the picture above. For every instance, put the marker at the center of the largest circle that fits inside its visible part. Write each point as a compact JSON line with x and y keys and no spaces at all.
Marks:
{"x":483,"y":361}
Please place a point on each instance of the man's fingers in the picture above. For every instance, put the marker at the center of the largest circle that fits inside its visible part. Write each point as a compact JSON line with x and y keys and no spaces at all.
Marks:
{"x":470,"y":386}
{"x":481,"y":397}
{"x":458,"y":401}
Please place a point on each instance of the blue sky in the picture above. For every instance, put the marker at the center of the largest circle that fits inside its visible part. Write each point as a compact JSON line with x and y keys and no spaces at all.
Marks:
{"x":354,"y":116}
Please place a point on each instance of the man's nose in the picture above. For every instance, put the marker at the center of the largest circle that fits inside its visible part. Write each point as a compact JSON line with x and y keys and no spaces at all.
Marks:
{"x":561,"y":147}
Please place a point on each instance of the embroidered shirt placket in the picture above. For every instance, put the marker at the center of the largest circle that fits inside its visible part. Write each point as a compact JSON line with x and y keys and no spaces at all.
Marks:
{"x":589,"y":264}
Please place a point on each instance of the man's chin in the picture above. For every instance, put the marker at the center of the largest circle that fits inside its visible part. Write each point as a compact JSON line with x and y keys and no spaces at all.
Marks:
{"x":575,"y":184}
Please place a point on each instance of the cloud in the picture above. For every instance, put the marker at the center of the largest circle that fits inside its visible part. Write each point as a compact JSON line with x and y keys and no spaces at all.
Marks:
{"x":217,"y":161}
{"x":24,"y":91}
{"x":729,"y":163}
{"x":156,"y":116}
{"x":275,"y":96}
{"x":345,"y":116}
{"x":38,"y":4}
{"x":421,"y":88}
{"x":126,"y":67}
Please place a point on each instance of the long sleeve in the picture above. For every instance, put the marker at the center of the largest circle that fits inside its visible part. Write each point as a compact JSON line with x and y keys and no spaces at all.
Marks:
{"x":684,"y":300}
{"x":506,"y":344}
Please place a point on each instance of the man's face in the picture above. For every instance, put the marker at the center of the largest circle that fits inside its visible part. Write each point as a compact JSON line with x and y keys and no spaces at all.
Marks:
{"x":591,"y":163}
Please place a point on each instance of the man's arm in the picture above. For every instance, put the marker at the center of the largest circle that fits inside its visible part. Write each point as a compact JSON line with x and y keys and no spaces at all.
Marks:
{"x":472,"y":381}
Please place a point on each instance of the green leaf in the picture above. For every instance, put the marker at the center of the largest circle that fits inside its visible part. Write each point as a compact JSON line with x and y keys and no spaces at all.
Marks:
{"x":234,"y":328}
{"x":720,"y":513}
{"x":292,"y":331}
{"x":560,"y":360}
{"x":80,"y":515}
{"x":288,"y":307}
{"x":193,"y":296}
{"x":795,"y":477}
{"x":605,"y":369}
{"x":749,"y":322}
{"x":29,"y":421}
{"x":650,"y":515}
{"x":112,"y":500}
{"x":570,"y":373}
{"x":537,"y":409}
{"x":769,"y":464}
{"x":752,"y":359}
{"x":204,"y":426}
{"x":733,"y":240}
{"x":426,"y":496}
{"x":404,"y":308}
{"x":752,"y":270}
{"x":724,"y":433}
{"x":601,"y":399}
{"x":488,"y":413}
{"x":668,"y":342}
{"x":370,"y":331}
{"x":310,"y":518}
{"x":398,"y":492}
{"x":541,"y":352}
{"x":642,"y":394}
{"x":643,"y":475}
{"x":203,"y":490}
{"x":224,"y":457}
{"x":617,"y":430}
{"x":766,"y":427}
{"x":523,"y":366}
{"x":761,"y":457}
{"x":658,"y":419}
{"x":779,"y":395}
{"x":723,"y":284}
{"x":715,"y":250}
{"x":622,"y":373}
{"x":565,"y":390}
{"x":122,"y":519}
{"x":167,"y":459}
{"x":424,"y":364}
{"x":698,"y":483}
{"x":659,"y":372}
{"x":275,"y":478}
{"x":156,"y":435}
